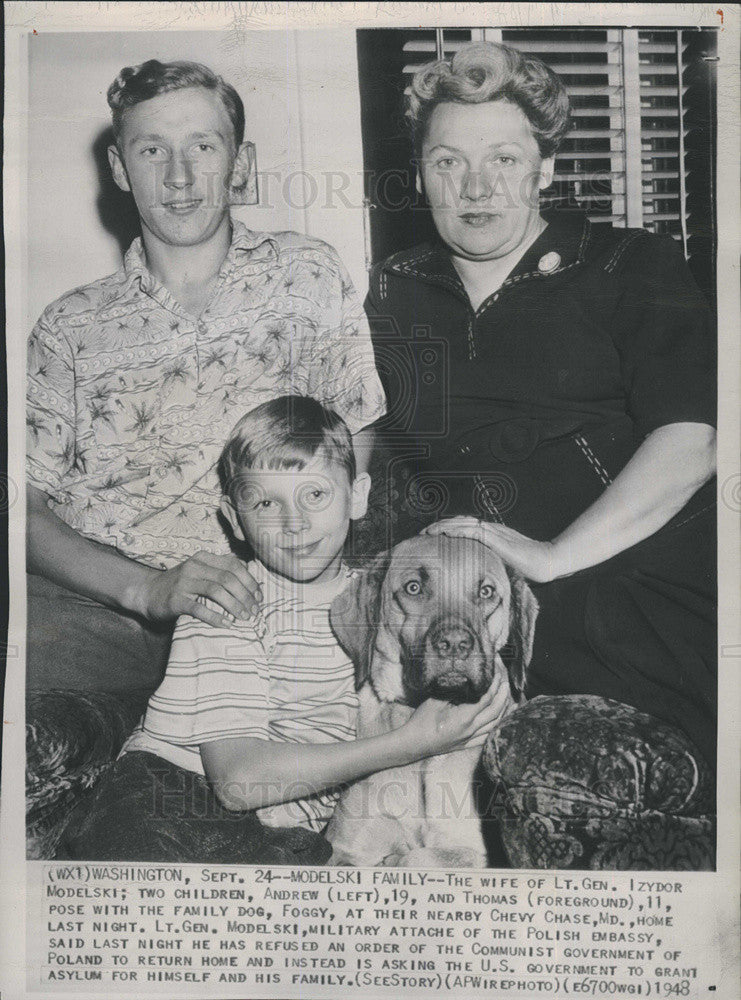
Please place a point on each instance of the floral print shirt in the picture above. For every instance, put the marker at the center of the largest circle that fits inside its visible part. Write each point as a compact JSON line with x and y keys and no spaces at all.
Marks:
{"x":131,"y":399}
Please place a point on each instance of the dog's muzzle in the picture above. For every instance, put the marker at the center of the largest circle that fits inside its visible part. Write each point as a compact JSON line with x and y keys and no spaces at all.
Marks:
{"x":449,"y":664}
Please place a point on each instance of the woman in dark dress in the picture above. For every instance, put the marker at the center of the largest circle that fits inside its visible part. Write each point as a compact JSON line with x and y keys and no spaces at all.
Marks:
{"x":565,"y":400}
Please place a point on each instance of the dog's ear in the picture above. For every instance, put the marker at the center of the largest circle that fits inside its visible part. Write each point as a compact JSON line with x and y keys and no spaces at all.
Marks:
{"x":523,"y":612}
{"x":354,"y":614}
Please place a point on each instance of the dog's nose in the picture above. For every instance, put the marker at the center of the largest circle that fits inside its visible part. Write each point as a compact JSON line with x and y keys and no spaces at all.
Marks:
{"x":453,"y":643}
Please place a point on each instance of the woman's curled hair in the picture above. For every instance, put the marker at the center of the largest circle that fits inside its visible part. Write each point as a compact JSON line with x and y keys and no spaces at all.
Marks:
{"x":485,"y":71}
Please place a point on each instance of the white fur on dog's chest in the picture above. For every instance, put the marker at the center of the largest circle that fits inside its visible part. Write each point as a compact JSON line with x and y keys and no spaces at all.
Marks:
{"x":419,"y":815}
{"x":376,"y":717}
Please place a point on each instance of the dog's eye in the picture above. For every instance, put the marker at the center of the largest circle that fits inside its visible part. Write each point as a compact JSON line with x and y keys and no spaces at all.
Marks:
{"x":486,"y":592}
{"x":413,"y":588}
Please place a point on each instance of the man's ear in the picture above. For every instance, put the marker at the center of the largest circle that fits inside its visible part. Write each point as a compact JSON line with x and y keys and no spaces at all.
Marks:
{"x":117,"y":168}
{"x":523,"y":612}
{"x":354,"y":615}
{"x":227,"y":509}
{"x":360,"y":491}
{"x":243,"y":182}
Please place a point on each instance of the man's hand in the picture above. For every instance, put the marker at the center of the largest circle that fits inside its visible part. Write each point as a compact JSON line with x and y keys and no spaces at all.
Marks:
{"x":222,"y":579}
{"x":59,"y":553}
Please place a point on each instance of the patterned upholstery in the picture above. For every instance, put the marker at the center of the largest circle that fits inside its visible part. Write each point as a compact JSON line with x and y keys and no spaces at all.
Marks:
{"x":148,"y":809}
{"x":72,"y":739}
{"x":590,"y":783}
{"x":582,"y":782}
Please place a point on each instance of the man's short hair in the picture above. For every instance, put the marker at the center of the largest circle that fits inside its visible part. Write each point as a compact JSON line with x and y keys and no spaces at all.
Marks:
{"x":135,"y":84}
{"x":284,"y":433}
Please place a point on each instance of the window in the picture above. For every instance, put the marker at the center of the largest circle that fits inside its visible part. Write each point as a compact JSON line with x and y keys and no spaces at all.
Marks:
{"x":640,"y":150}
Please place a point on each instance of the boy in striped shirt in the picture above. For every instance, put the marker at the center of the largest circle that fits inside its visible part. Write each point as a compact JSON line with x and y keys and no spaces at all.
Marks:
{"x":239,"y":697}
{"x":261,"y":711}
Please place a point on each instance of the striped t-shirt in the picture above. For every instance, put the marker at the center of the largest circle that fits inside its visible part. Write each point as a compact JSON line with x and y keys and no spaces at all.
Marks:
{"x":279,"y":676}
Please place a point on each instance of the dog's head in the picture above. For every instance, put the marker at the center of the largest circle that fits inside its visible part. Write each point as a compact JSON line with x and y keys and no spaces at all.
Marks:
{"x":436,"y":617}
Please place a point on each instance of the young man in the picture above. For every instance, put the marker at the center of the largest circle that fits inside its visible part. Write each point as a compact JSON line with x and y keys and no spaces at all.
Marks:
{"x":135,"y":380}
{"x":261,"y":713}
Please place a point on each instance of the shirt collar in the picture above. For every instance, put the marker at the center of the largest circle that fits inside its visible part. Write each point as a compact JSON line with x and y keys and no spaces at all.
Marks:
{"x":244,"y":240}
{"x":311,"y":592}
{"x":561,"y":246}
{"x":248,"y":239}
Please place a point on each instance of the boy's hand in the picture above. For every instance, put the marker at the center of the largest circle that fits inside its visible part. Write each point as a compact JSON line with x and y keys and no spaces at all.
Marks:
{"x":222,"y":579}
{"x":439,"y":727}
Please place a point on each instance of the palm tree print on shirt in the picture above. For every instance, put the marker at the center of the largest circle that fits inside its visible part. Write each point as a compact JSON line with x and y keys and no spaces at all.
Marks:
{"x":146,"y":377}
{"x":143,"y":417}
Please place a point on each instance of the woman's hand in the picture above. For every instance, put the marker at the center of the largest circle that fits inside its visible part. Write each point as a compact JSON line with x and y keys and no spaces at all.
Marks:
{"x":438,"y":727}
{"x":533,"y":560}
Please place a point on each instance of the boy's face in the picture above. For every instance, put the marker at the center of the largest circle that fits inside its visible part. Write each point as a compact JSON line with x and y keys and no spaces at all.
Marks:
{"x":297,"y":521}
{"x":177,"y":158}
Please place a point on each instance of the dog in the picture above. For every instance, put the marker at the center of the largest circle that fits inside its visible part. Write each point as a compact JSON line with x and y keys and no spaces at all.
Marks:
{"x":435,"y":617}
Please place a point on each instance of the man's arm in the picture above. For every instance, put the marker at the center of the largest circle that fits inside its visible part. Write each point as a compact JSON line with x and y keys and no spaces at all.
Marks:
{"x":355,"y":389}
{"x":363,"y":443}
{"x":248,"y":773}
{"x":59,"y":553}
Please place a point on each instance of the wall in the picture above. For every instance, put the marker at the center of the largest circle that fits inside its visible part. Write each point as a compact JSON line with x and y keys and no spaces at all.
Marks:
{"x":78,"y":222}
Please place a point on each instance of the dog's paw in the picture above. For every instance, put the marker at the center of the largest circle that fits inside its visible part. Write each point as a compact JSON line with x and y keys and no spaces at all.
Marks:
{"x":281,"y":815}
{"x":440,"y":857}
{"x":339,"y":859}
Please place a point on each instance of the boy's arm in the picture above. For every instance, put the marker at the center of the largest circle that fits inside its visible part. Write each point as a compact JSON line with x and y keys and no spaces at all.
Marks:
{"x":254,"y":773}
{"x":352,"y":386}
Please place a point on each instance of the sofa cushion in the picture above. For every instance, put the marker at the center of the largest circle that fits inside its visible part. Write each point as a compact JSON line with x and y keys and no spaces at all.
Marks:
{"x":586,"y":782}
{"x":148,"y":809}
{"x":72,"y":738}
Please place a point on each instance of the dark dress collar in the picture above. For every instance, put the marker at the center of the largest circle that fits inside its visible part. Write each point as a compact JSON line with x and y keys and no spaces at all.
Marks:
{"x":560,"y":247}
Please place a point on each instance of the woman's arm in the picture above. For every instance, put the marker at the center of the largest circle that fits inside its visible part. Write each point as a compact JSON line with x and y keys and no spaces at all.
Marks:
{"x":59,"y":553}
{"x":666,"y":471}
{"x":668,"y":468}
{"x":251,"y":773}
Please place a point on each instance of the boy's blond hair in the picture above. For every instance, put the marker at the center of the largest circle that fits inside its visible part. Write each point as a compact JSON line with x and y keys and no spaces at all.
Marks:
{"x":285,"y":433}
